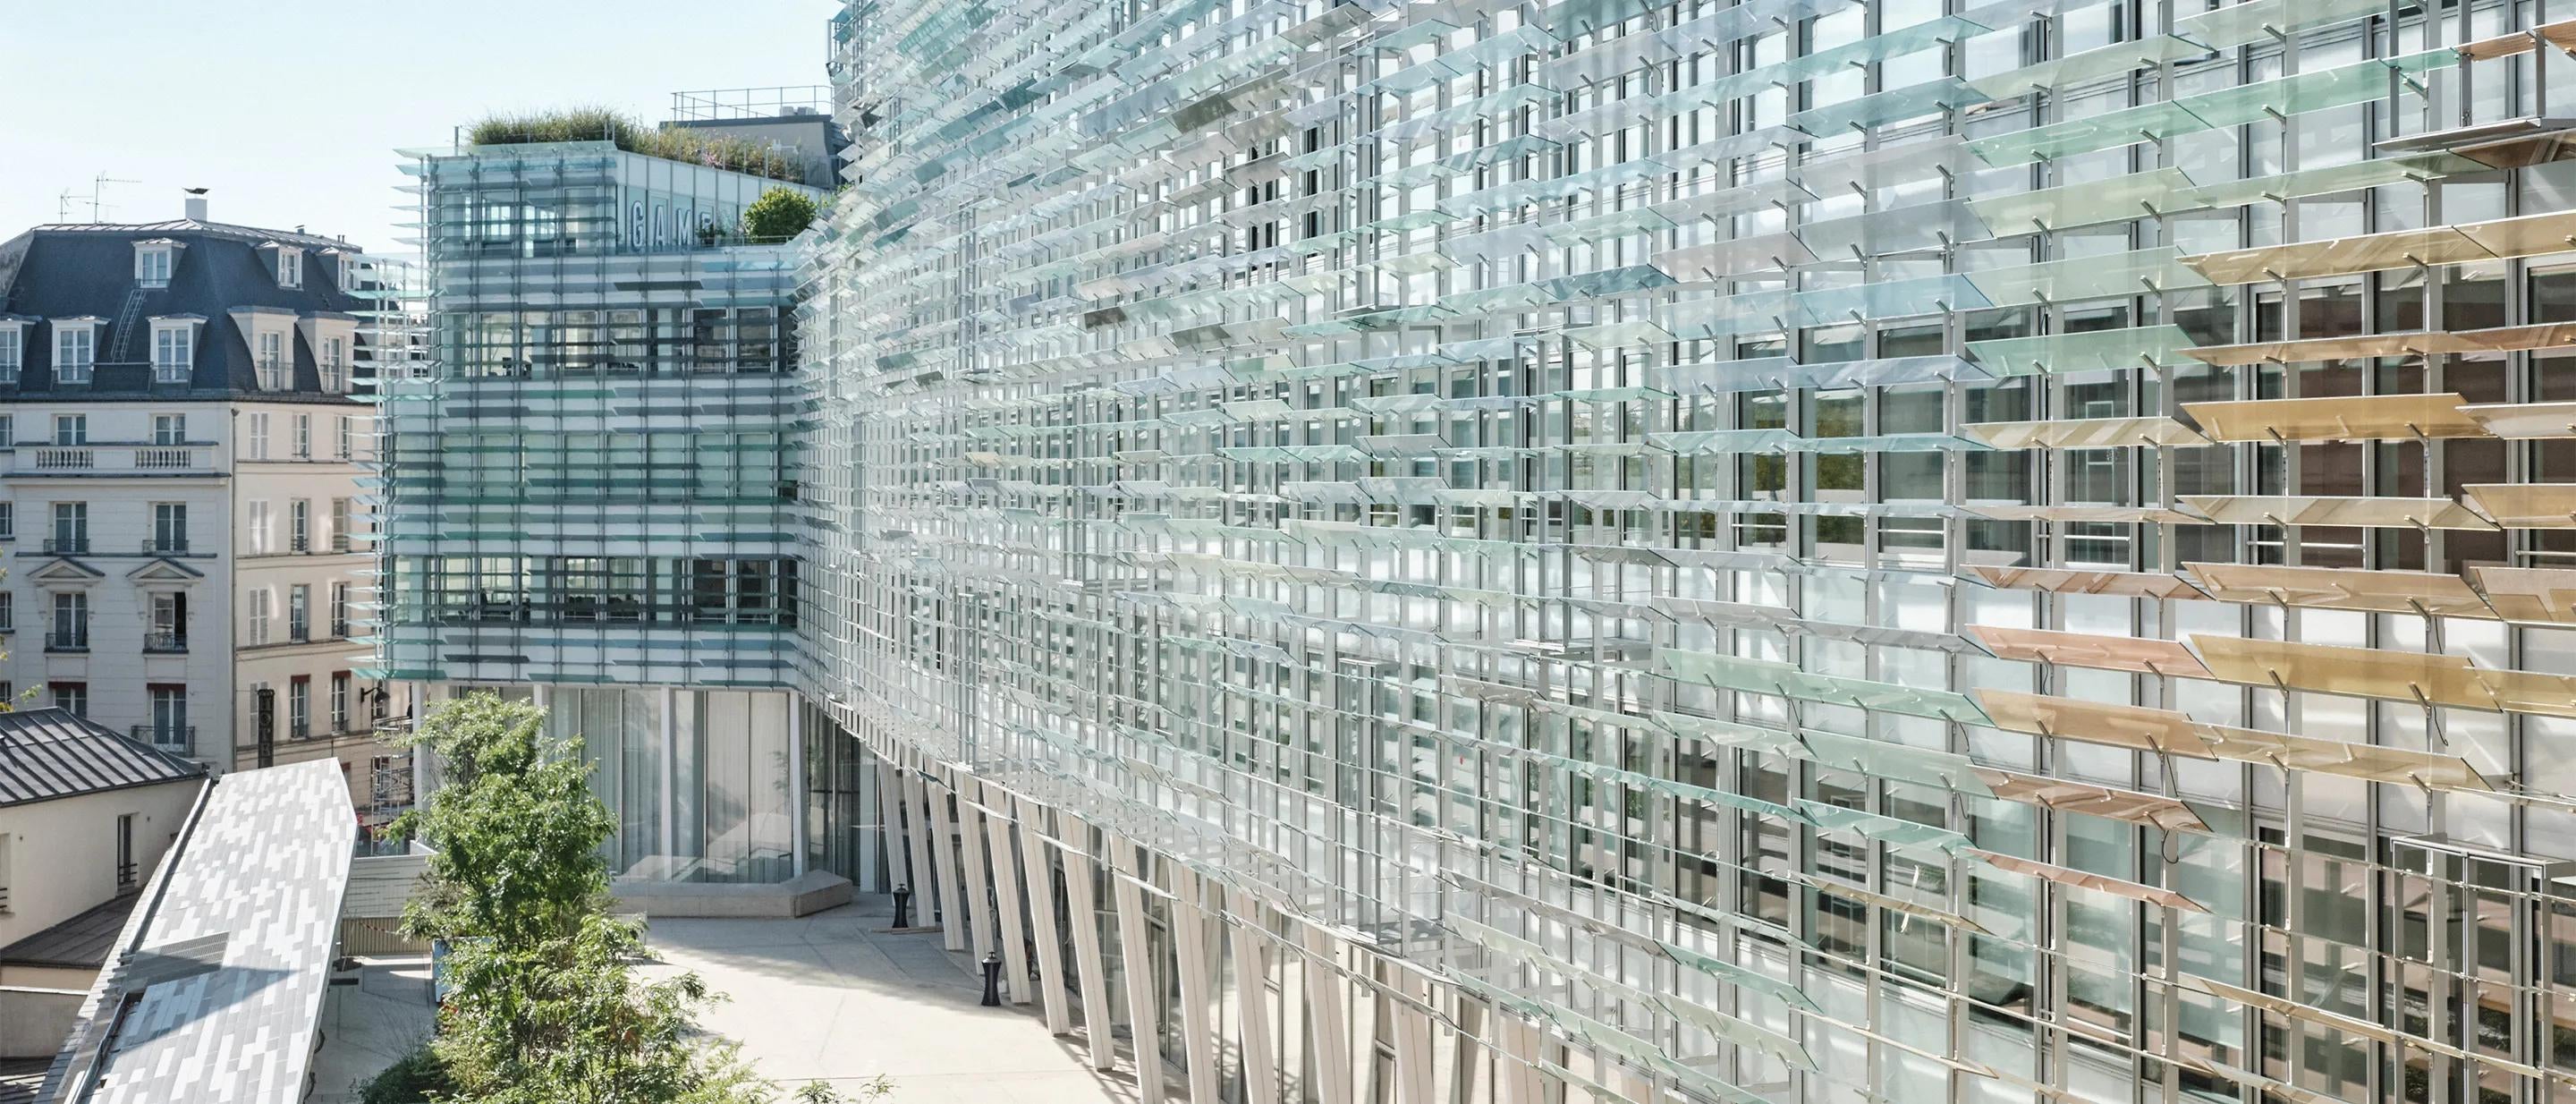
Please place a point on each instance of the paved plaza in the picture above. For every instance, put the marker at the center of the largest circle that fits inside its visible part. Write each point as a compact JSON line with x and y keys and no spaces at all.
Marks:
{"x":825,"y":997}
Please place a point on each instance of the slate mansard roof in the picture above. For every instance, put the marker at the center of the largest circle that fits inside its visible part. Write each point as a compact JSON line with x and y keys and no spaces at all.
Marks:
{"x":49,"y":753}
{"x":87,"y":270}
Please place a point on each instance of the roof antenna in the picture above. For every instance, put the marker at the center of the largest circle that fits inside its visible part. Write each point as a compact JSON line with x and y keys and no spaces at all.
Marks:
{"x":98,"y":206}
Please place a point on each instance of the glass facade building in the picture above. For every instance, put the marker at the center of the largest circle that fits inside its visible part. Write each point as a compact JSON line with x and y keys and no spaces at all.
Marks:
{"x":590,"y":497}
{"x":1795,"y":550}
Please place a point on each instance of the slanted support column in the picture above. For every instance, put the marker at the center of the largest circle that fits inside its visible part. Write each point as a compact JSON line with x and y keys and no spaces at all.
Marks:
{"x":1329,"y":997}
{"x":1010,"y":924}
{"x":943,"y":854}
{"x":1414,"y":1067}
{"x":1038,"y":866}
{"x":1082,"y":895}
{"x":1192,"y":950}
{"x":890,"y":812}
{"x":903,"y":797}
{"x":977,"y":885}
{"x":1135,"y":952}
{"x":1252,"y":1001}
{"x":1516,"y":1081}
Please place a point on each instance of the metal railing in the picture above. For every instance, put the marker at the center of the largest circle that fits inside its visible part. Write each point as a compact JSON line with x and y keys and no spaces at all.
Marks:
{"x":67,"y":640}
{"x":175,"y":739}
{"x":165,"y":642}
{"x":155,"y":546}
{"x":60,"y":546}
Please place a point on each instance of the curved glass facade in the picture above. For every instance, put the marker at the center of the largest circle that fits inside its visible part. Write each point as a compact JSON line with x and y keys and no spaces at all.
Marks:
{"x":1792,"y":550}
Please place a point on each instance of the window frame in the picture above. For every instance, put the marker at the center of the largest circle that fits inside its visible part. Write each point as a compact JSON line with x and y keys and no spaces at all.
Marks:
{"x":261,"y":611}
{"x":179,"y":369}
{"x":67,"y":336}
{"x":154,"y":264}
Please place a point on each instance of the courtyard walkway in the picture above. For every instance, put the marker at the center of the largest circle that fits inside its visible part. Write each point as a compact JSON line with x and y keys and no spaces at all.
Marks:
{"x":824,"y":998}
{"x":829,"y":997}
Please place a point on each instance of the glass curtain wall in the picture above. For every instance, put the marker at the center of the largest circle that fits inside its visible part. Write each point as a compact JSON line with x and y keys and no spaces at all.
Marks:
{"x":1801,"y":549}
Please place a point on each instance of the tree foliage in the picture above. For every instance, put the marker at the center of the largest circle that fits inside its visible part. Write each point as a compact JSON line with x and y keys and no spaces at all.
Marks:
{"x":514,"y":832}
{"x":544,"y":1002}
{"x":779,"y":214}
{"x":566,"y":1020}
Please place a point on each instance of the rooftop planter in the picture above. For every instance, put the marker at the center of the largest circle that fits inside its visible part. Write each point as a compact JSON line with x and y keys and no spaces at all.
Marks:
{"x":719,"y":151}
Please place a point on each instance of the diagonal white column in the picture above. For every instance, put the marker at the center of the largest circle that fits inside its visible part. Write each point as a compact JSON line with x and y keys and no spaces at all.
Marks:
{"x":943,"y":853}
{"x":1329,"y":1001}
{"x":1082,"y":896}
{"x":1414,"y":1065}
{"x":1252,"y":1002}
{"x":900,"y":853}
{"x":1136,"y":965}
{"x":916,"y":833}
{"x":1008,"y":923}
{"x":977,"y":884}
{"x":1191,"y":951}
{"x":1039,"y":867}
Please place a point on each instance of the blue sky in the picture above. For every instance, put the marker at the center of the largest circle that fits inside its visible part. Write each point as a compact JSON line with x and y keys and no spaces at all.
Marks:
{"x":291,"y":109}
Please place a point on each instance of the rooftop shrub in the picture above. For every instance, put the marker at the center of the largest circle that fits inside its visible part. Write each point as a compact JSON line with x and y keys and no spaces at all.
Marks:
{"x":599,"y":124}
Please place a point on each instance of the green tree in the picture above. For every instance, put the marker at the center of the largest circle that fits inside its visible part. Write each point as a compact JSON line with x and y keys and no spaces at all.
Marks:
{"x":544,"y":1005}
{"x":514,"y":832}
{"x":779,"y":214}
{"x":566,"y":1019}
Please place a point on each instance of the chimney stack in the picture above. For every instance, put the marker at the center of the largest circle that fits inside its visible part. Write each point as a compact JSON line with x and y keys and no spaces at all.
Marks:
{"x":197,"y":204}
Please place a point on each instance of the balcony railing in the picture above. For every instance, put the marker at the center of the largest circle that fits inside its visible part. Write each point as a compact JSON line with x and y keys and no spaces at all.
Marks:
{"x":66,"y":546}
{"x":155,"y":546}
{"x":61,"y":640}
{"x":165,"y":642}
{"x":90,"y":459}
{"x":177,"y":739}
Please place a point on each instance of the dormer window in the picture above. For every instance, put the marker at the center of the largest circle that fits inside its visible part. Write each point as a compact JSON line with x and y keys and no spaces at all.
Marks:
{"x":154,"y":261}
{"x":290,"y":268}
{"x":75,"y":349}
{"x":272,"y":360}
{"x":174,"y":348}
{"x":13,"y":346}
{"x":335,"y":364}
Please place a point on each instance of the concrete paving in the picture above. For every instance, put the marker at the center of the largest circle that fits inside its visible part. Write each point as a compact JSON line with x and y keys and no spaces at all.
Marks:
{"x":368,"y":1025}
{"x":828,"y":997}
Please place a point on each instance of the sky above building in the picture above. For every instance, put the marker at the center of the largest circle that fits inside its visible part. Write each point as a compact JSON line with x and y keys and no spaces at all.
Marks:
{"x":291,"y":110}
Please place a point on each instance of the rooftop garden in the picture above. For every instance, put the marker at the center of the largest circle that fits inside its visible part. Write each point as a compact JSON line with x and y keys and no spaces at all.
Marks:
{"x":599,"y":124}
